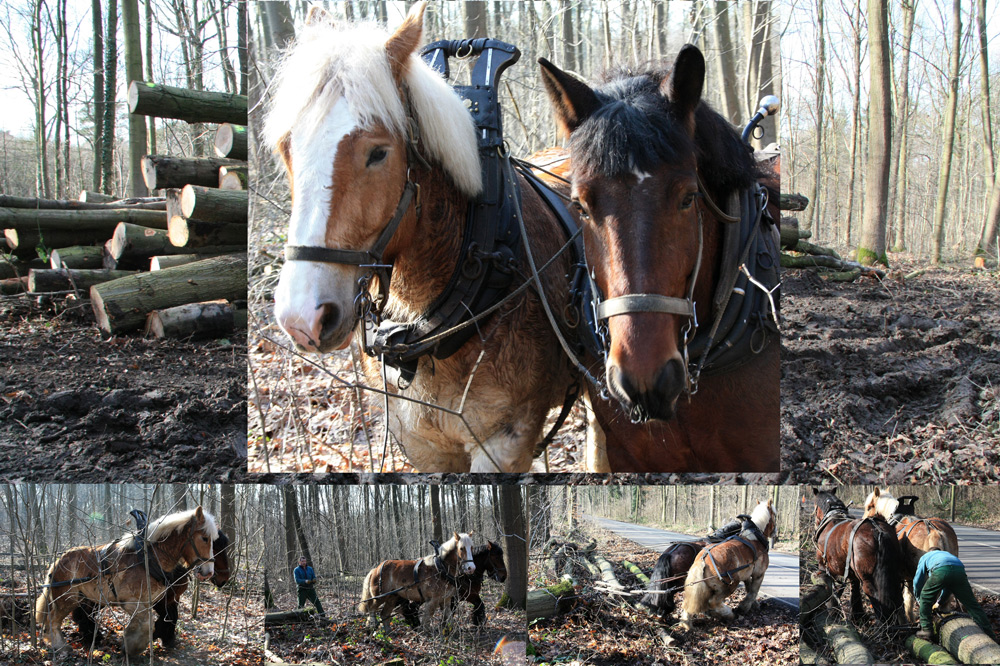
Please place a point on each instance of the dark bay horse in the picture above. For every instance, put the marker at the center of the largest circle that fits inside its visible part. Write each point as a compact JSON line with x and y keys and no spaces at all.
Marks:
{"x":384,"y":166}
{"x":671,"y":208}
{"x":116,"y":574}
{"x":489,"y":561}
{"x":431,"y":581}
{"x":166,"y":609}
{"x":718,"y":569}
{"x":916,"y":537}
{"x":667,"y":578}
{"x":863,"y":551}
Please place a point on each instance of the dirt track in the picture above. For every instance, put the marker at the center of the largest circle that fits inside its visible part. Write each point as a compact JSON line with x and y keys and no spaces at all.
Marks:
{"x":76,"y":407}
{"x":897,"y":381}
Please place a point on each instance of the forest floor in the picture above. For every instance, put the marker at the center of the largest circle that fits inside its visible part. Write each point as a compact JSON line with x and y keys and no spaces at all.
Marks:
{"x":76,"y":406}
{"x":891,"y":381}
{"x":603,"y":631}
{"x":199,"y":641}
{"x":885,"y":646}
{"x":346,"y":639}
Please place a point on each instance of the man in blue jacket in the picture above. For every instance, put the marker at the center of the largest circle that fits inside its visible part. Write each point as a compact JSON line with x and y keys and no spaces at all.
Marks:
{"x":305,"y":579}
{"x":939,"y":572}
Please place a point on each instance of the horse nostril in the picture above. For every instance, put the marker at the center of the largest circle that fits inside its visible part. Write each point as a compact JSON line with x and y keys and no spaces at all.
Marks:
{"x":670,"y":381}
{"x":329,"y":320}
{"x":620,"y":384}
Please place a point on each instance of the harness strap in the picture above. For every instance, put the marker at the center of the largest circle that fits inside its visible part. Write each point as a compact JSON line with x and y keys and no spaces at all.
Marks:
{"x":630,"y":303}
{"x":850,"y":547}
{"x":729,"y":574}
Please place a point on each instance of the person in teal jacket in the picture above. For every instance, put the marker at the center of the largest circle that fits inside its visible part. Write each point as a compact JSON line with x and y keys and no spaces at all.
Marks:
{"x":305,"y":580}
{"x":938,"y":573}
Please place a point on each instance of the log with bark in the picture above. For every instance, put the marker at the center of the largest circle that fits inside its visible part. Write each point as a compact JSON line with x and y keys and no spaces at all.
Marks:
{"x":49,"y":280}
{"x":794,"y":202}
{"x":843,"y":639}
{"x":122,"y":305}
{"x":210,"y":203}
{"x":76,"y":220}
{"x":607,"y":572}
{"x":144,"y":203}
{"x":281,"y":618}
{"x":232,"y":178}
{"x":806,"y":654}
{"x":11,"y":267}
{"x":95,"y":197}
{"x":163,"y":171}
{"x":24,"y":243}
{"x":551,"y":601}
{"x":816,"y":597}
{"x":961,"y":636}
{"x":211,"y":319}
{"x":194,"y":106}
{"x":192,"y":234}
{"x":790,"y":232}
{"x":133,"y":244}
{"x":929,"y":653}
{"x":643,"y":578}
{"x":77,"y":256}
{"x":13,"y":286}
{"x":162,"y":261}
{"x":814,"y":261}
{"x":231,"y":141}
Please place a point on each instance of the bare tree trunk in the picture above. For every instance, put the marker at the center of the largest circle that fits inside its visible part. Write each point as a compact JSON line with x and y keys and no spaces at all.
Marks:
{"x":815,"y":208}
{"x":133,"y":72}
{"x":43,"y":184}
{"x":436,"y":527}
{"x":855,"y":117}
{"x":95,"y":9}
{"x":293,"y":528}
{"x":515,"y":545}
{"x":151,"y":137}
{"x":898,"y":176}
{"x":948,"y":133}
{"x":871,"y":248}
{"x":475,"y":19}
{"x":110,"y":94}
{"x":983,"y":245}
{"x":242,"y":36}
{"x":989,"y":244}
{"x":569,"y":41}
{"x":727,"y":61}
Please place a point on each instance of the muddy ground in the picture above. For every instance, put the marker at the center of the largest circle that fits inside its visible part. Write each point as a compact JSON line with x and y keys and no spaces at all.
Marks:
{"x":77,"y":407}
{"x":603,"y":630}
{"x":893,"y":381}
{"x":346,"y":639}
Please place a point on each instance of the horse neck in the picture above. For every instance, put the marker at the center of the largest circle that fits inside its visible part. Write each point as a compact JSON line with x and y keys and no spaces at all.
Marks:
{"x":167,"y":556}
{"x":422,"y":269}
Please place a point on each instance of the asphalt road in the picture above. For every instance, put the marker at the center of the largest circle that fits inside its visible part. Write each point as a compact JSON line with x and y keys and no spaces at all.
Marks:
{"x":979,"y":551}
{"x":781,"y":581}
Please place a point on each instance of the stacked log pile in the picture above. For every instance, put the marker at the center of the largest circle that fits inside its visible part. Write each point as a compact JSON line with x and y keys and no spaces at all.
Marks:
{"x":173,"y":265}
{"x":800,"y":253}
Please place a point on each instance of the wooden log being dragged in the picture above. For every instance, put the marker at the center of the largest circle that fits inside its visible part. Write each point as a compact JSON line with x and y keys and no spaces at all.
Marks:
{"x":232,"y":178}
{"x":24,"y":242}
{"x":607,"y":572}
{"x":77,"y":256}
{"x":209,"y":203}
{"x":210,"y":319}
{"x":643,"y":578}
{"x":551,"y":601}
{"x":843,"y":639}
{"x":75,"y":220}
{"x":962,"y":637}
{"x":194,"y":106}
{"x":231,"y":141}
{"x":122,"y":305}
{"x":48,"y":280}
{"x":145,"y":203}
{"x":793,"y":202}
{"x":929,"y":653}
{"x":816,"y":597}
{"x":163,"y":171}
{"x":191,"y":234}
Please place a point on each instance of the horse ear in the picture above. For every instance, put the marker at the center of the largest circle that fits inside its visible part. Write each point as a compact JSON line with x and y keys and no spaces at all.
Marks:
{"x":405,"y":40}
{"x":684,"y":85}
{"x":318,"y":15}
{"x":199,"y":516}
{"x":573,"y":101}
{"x":457,"y":538}
{"x":875,"y":493}
{"x":815,"y":491}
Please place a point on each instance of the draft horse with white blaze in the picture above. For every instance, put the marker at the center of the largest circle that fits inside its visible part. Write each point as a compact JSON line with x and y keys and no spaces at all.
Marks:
{"x":385,"y":169}
{"x":116,"y":574}
{"x":916,"y":537}
{"x":672,"y":210}
{"x":862,"y":551}
{"x":718,"y":569}
{"x":431,"y":582}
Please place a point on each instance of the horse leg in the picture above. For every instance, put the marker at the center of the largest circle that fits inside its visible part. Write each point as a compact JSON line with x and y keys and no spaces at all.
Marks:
{"x":60,"y":608}
{"x":137,"y":633}
{"x":752,"y":586}
{"x":387,"y":607}
{"x":857,"y":606}
{"x":597,"y":443}
{"x":165,"y":627}
{"x":85,"y":616}
{"x":909,"y":603}
{"x":478,"y":609}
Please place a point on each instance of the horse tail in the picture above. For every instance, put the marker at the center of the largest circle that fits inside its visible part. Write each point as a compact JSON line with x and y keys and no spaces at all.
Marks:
{"x":935,"y":540}
{"x":367,"y":596}
{"x":696,"y":589}
{"x":44,"y":602}
{"x":888,"y":584}
{"x":656,"y":597}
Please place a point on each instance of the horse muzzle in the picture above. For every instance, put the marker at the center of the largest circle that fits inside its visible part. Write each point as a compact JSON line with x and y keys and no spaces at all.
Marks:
{"x":205,"y":571}
{"x":653,"y":400}
{"x":468,"y":568}
{"x":317,"y":318}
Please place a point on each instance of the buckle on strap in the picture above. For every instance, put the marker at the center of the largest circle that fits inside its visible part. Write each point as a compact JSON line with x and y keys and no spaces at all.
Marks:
{"x":630,"y":303}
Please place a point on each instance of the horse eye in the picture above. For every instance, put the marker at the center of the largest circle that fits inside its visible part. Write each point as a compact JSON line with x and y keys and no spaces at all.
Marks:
{"x":377,"y":154}
{"x":584,"y":215}
{"x":687,"y":201}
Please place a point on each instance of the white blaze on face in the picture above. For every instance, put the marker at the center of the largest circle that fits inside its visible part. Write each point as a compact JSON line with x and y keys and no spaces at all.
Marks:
{"x":304,"y":286}
{"x":640,"y":175}
{"x":468,"y":566}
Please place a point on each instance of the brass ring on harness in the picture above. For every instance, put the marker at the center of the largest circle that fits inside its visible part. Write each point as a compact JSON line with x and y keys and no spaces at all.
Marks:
{"x":759,"y":334}
{"x":571,"y":314}
{"x":460,"y":55}
{"x":503,"y":150}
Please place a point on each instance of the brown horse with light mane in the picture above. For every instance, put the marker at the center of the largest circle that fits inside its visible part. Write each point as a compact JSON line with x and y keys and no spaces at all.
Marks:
{"x":116,"y":574}
{"x":369,"y":133}
{"x":659,"y":180}
{"x":916,"y":537}
{"x":719,"y":569}
{"x":431,"y":581}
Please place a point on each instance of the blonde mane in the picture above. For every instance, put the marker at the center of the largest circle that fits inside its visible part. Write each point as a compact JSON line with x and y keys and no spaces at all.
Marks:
{"x":761,"y":515}
{"x":885,"y":504}
{"x":328,"y":62}
{"x":162,"y":527}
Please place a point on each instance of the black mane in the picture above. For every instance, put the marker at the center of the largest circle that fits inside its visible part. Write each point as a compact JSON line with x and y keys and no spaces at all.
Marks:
{"x":830,"y":503}
{"x":635,"y":128}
